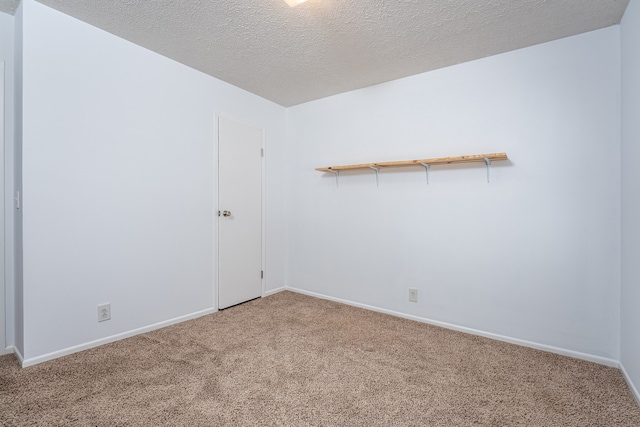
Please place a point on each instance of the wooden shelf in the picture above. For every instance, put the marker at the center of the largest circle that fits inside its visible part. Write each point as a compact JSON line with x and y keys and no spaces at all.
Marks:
{"x":480,"y":158}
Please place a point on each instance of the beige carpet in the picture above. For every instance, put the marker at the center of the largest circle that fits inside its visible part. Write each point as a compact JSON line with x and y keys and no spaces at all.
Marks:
{"x":292,"y":360}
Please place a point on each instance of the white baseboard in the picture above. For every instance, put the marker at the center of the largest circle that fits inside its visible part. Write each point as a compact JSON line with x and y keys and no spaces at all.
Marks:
{"x":557,"y":350}
{"x":275,"y":291}
{"x":565,"y":352}
{"x":18,"y":355}
{"x":8,"y":350}
{"x":66,"y":351}
{"x":632,"y":386}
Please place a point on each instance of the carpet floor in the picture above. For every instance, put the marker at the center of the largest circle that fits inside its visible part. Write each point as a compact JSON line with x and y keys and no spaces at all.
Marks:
{"x":293,"y":360}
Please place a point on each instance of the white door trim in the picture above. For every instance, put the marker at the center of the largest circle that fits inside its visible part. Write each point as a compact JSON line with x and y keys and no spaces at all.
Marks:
{"x":3,"y":288}
{"x":216,"y":203}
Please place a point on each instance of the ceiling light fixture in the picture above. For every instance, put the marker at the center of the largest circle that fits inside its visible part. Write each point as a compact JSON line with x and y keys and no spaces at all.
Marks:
{"x":294,"y":3}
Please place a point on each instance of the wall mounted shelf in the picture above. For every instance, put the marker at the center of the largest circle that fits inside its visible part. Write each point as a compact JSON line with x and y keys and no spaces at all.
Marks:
{"x":426,"y":163}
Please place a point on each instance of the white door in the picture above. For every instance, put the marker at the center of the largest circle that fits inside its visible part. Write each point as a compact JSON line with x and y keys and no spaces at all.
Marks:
{"x":240,"y":215}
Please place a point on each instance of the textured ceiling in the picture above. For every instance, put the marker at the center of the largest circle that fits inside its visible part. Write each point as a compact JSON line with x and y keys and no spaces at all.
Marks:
{"x":325,"y":47}
{"x":9,"y":6}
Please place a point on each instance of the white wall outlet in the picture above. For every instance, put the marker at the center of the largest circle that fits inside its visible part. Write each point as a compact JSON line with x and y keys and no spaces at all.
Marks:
{"x":413,"y":295}
{"x":104,"y":312}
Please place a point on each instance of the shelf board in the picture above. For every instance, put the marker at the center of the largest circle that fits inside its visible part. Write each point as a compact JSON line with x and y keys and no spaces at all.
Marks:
{"x":407,"y":163}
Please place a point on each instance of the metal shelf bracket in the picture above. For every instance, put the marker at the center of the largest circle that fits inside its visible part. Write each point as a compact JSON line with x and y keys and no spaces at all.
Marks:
{"x":377,"y":174}
{"x":426,"y":168}
{"x":488,"y":163}
{"x":337,"y":174}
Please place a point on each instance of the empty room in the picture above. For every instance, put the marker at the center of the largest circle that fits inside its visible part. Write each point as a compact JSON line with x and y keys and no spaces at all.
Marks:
{"x":320,"y":213}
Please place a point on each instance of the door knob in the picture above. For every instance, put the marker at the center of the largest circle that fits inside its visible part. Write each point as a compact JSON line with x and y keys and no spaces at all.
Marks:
{"x":226,"y":213}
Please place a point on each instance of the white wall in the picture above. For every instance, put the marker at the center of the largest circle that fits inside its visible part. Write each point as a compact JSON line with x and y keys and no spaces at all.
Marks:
{"x":118,"y":179}
{"x":630,"y":319}
{"x":534,"y":255}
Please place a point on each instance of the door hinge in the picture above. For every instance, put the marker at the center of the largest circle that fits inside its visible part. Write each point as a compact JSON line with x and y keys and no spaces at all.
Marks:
{"x":262,"y":274}
{"x":262,"y":152}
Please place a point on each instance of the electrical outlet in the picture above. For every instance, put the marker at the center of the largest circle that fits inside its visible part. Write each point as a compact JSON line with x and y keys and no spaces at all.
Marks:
{"x":104,"y":312}
{"x":413,"y":295}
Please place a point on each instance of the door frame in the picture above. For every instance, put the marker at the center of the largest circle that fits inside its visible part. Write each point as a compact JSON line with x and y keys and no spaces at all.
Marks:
{"x":216,"y":203}
{"x":4,"y":347}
